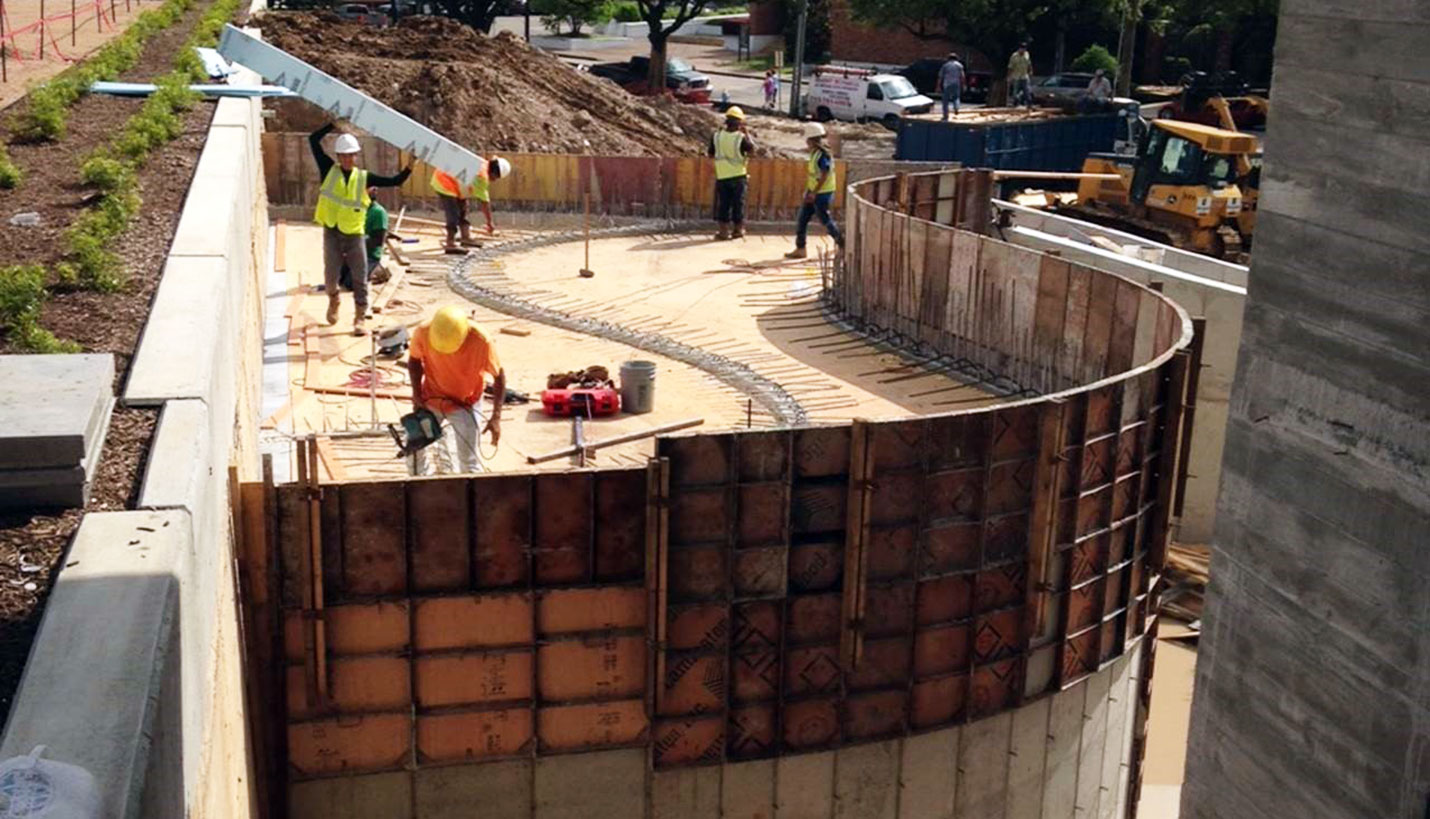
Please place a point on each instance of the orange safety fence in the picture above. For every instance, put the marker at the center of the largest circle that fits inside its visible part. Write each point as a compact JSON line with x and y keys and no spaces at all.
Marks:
{"x":13,"y":41}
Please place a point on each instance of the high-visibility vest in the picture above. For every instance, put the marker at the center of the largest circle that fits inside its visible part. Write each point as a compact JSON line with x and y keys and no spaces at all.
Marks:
{"x":811,"y":182}
{"x":342,"y":203}
{"x":444,"y":184}
{"x":729,"y":162}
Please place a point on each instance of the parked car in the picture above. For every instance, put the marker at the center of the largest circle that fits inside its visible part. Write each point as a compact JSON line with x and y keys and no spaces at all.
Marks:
{"x":681,"y":79}
{"x":924,"y":75}
{"x":1060,"y":90}
{"x":862,"y":96}
{"x":360,"y":13}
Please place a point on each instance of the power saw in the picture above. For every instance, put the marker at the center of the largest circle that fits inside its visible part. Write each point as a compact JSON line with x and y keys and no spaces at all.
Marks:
{"x":419,"y":429}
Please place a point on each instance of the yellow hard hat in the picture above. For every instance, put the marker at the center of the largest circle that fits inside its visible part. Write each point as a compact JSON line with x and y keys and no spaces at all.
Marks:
{"x":448,"y":329}
{"x":734,"y":112}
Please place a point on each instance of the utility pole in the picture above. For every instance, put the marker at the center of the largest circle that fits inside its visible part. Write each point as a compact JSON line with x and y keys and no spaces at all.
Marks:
{"x":526,"y":23}
{"x":798,"y":59}
{"x":1126,"y":45}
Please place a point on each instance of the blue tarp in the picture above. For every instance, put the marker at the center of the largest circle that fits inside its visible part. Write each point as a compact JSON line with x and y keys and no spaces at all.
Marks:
{"x":144,"y":89}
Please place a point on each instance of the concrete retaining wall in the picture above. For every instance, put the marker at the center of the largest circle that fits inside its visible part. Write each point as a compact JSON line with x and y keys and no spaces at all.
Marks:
{"x":162,"y":724}
{"x":1206,"y":288}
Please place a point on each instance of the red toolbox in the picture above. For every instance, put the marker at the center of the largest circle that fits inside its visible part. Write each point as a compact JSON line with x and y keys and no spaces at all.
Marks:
{"x":586,"y":402}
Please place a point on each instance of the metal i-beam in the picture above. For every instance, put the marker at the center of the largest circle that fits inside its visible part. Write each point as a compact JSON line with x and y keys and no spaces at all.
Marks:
{"x":342,"y":101}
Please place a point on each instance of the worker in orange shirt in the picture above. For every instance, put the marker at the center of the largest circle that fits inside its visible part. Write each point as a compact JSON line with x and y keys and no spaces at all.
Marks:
{"x":454,"y":199}
{"x":450,"y":358}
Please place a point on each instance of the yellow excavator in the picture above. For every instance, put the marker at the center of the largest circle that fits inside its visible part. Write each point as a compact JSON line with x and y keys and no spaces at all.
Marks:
{"x":1189,"y":185}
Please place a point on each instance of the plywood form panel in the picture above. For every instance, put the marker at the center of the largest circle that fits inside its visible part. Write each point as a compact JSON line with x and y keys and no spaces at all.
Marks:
{"x":374,"y":555}
{"x":439,"y":515}
{"x":473,"y":621}
{"x":473,"y":678}
{"x":360,"y":628}
{"x":566,"y":611}
{"x":562,"y":549}
{"x":591,"y":725}
{"x":349,"y":744}
{"x":464,"y":736}
{"x":591,"y":668}
{"x":620,"y":529}
{"x":688,"y":741}
{"x":503,"y":506}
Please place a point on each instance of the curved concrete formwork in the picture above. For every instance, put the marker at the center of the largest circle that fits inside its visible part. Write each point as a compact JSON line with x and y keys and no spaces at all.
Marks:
{"x":918,"y":617}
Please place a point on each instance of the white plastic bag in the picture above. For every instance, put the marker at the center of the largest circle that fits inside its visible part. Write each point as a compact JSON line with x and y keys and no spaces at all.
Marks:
{"x":31,"y":787}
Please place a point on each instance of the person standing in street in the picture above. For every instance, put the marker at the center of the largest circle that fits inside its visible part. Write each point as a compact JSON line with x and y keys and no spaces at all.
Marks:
{"x":772,"y":89}
{"x":950,"y":83}
{"x":343,"y":201}
{"x":819,"y":187}
{"x":731,"y":147}
{"x":1020,"y":73}
{"x":454,"y":200}
{"x":448,"y":363}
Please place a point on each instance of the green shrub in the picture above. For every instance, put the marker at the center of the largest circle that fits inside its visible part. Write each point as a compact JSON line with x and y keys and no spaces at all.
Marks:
{"x":10,"y":175}
{"x":626,"y":12}
{"x":105,"y":173}
{"x":1093,"y":58}
{"x":22,"y":298}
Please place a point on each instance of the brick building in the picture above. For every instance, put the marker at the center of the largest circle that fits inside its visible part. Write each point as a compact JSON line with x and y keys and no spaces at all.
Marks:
{"x":854,"y":42}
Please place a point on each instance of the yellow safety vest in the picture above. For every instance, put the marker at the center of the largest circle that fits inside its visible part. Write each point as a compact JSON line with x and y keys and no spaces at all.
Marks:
{"x":342,"y":203}
{"x":729,"y":162}
{"x":444,"y":184}
{"x":811,"y":183}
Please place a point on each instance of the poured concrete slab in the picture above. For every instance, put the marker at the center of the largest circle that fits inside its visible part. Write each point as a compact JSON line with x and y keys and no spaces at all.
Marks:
{"x":494,"y":790}
{"x":53,"y":408}
{"x":374,"y":796}
{"x":114,"y":607}
{"x":568,"y":786}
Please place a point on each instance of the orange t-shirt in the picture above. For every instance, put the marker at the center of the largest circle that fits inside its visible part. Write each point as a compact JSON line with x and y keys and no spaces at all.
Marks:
{"x":454,"y":380}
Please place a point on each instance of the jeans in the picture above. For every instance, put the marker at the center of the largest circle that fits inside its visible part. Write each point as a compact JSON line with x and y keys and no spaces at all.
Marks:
{"x":458,"y":451}
{"x":1020,"y":94}
{"x":341,"y":249}
{"x":951,"y":95}
{"x":819,"y":207}
{"x":730,"y":199}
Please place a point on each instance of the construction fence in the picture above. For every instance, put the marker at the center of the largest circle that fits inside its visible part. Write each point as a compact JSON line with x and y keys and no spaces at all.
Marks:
{"x":640,"y":186}
{"x":749,"y":595}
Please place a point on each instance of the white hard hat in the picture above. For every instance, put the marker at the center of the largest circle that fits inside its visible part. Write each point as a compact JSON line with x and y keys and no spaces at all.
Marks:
{"x":503,"y":167}
{"x":812,"y":130}
{"x":347,"y":144}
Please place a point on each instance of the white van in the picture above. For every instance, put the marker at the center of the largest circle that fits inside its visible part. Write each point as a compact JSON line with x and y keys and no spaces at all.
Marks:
{"x":862,"y":96}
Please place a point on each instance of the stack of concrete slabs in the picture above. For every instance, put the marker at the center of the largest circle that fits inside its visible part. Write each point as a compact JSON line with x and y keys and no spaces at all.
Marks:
{"x":54,"y":412}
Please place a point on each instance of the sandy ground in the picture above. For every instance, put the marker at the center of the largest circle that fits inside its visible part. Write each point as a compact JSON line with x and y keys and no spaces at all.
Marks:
{"x":86,"y":36}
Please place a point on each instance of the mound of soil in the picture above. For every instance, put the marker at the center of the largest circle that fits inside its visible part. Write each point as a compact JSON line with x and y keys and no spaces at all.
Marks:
{"x":487,"y":93}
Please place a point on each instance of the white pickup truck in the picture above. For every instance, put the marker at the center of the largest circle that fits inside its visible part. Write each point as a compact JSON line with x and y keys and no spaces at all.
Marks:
{"x":862,"y":96}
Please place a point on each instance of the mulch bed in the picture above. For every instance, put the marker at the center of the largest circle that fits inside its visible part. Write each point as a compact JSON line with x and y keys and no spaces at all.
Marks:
{"x":32,"y":545}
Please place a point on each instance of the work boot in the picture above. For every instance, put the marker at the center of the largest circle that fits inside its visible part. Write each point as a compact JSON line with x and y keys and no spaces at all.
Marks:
{"x":797,"y":253}
{"x":359,"y":326}
{"x":467,"y":240}
{"x":724,"y":232}
{"x":333,"y":303}
{"x":739,"y":230}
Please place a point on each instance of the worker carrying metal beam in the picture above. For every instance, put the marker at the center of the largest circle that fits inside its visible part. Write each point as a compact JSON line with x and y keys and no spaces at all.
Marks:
{"x":454,"y":199}
{"x":342,"y":210}
{"x":449,"y":360}
{"x":731,"y":147}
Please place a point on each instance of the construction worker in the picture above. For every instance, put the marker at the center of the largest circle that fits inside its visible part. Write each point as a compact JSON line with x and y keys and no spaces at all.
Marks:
{"x":375,"y":235}
{"x":819,"y":187}
{"x":343,"y":201}
{"x":454,"y":202}
{"x":731,"y":147}
{"x":449,"y":360}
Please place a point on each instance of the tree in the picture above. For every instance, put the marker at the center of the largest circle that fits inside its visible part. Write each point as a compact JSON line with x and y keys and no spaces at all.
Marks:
{"x":572,"y":13}
{"x":994,"y":27}
{"x":479,"y":14}
{"x":818,"y":34}
{"x":654,"y":13}
{"x":1093,"y":58}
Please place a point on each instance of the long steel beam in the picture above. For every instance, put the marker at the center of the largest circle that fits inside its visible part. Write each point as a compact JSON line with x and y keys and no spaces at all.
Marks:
{"x":342,"y":101}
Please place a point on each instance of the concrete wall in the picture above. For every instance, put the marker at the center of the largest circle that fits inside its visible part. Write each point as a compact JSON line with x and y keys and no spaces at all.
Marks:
{"x":1313,"y":676}
{"x":181,"y":751}
{"x":1206,"y":288}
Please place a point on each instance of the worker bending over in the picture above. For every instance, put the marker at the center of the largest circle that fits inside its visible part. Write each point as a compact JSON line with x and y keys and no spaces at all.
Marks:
{"x":731,"y":147}
{"x":818,"y":191}
{"x":342,"y":210}
{"x":450,"y":358}
{"x":454,"y":200}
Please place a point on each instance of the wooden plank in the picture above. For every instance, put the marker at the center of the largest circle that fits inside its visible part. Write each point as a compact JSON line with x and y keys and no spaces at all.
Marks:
{"x":337,"y":473}
{"x":1168,"y":460}
{"x":861,"y":476}
{"x":1043,"y":520}
{"x":1098,"y":336}
{"x":280,"y":245}
{"x":1075,"y":322}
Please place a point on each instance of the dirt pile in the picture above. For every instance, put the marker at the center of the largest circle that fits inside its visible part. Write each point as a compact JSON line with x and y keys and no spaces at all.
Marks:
{"x":488,"y":93}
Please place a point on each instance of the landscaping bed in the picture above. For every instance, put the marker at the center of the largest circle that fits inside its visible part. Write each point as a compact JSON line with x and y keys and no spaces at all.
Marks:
{"x":86,"y":313}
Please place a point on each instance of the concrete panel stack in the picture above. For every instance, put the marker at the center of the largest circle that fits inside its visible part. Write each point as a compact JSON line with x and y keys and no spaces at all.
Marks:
{"x":54,"y":412}
{"x":1313,"y":674}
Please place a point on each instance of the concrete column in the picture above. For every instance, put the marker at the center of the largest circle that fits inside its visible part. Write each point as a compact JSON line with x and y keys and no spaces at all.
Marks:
{"x":1313,"y":681}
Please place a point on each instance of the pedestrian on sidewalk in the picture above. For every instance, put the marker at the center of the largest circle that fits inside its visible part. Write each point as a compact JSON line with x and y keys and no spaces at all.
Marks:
{"x":343,"y":201}
{"x":772,"y":89}
{"x":819,"y":186}
{"x":454,"y":200}
{"x":1020,"y":73}
{"x":448,"y":362}
{"x":731,"y":146}
{"x":950,"y":83}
